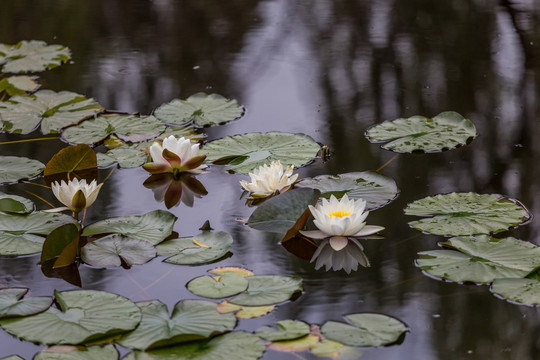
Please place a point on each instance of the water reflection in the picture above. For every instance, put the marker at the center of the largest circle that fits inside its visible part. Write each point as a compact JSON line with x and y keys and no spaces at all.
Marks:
{"x":172,"y":189}
{"x":347,"y":258}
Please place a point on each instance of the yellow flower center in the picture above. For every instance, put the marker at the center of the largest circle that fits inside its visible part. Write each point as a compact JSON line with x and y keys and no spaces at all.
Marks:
{"x":339,"y":213}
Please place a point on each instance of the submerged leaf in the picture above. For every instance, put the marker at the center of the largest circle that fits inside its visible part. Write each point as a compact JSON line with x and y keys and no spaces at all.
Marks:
{"x":12,"y":303}
{"x":200,"y":249}
{"x":297,"y":345}
{"x":335,"y":350}
{"x":15,"y":168}
{"x":32,"y":56}
{"x":244,"y":312}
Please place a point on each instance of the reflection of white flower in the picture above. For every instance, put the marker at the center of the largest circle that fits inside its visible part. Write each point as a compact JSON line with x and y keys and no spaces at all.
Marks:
{"x":266,"y":180}
{"x":338,"y":219}
{"x":176,"y":156}
{"x":75,"y":194}
{"x":347,"y":258}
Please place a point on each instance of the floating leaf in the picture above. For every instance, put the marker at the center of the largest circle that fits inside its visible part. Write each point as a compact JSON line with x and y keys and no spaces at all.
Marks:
{"x":238,"y":344}
{"x":522,"y":291}
{"x":95,"y":130}
{"x":12,"y":357}
{"x":244,"y":312}
{"x":153,"y":227}
{"x":13,"y":304}
{"x":19,"y":234}
{"x":466,"y":214}
{"x":83,"y":316}
{"x":116,"y":250}
{"x":216,"y":287}
{"x":281,"y":212}
{"x":203,"y":109}
{"x":75,"y":161}
{"x":200,"y":249}
{"x":15,"y":168}
{"x":376,"y":189}
{"x":18,"y":85}
{"x":15,"y":204}
{"x":335,"y":350}
{"x":126,"y":157}
{"x":296,"y":345}
{"x":481,"y":259}
{"x":365,"y":330}
{"x":22,"y":114}
{"x":287,"y":330}
{"x":244,"y":153}
{"x":222,"y":270}
{"x":190,"y":320}
{"x":445,"y":131}
{"x":32,"y":56}
{"x":268,"y":290}
{"x":64,"y":352}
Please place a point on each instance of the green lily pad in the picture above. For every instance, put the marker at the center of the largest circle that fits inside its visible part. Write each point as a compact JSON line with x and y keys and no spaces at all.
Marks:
{"x":64,"y":352}
{"x":20,"y":234}
{"x":445,"y":131}
{"x":239,"y":344}
{"x":281,"y":212}
{"x":335,"y":351}
{"x":83,"y":316}
{"x":190,"y":320}
{"x":365,"y":329}
{"x":287,"y":330}
{"x":32,"y":56}
{"x":125,"y":127}
{"x":153,"y":227}
{"x":200,"y":249}
{"x":15,"y":204}
{"x":13,"y":304}
{"x":22,"y":114}
{"x":245,"y":153}
{"x":15,"y":168}
{"x":18,"y":85}
{"x":116,"y":250}
{"x":522,"y":291}
{"x":376,"y":189}
{"x":481,"y":259}
{"x":126,"y":157}
{"x":203,"y":109}
{"x":466,"y":214}
{"x":268,"y":290}
{"x":217,"y":287}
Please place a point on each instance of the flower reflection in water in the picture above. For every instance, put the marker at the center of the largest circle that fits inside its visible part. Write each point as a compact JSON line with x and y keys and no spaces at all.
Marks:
{"x":347,"y":258}
{"x":175,"y":189}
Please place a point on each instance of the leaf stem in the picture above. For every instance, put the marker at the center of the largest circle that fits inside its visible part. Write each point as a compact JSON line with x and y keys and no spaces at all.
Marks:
{"x":28,"y":140}
{"x":40,"y":198}
{"x":386,"y":163}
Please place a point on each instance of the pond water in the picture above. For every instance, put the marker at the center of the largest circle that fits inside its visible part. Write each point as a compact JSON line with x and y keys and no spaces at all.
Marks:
{"x":329,"y":69}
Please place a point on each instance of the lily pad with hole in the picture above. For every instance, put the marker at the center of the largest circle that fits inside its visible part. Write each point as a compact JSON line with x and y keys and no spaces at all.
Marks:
{"x":203,"y":109}
{"x":32,"y":56}
{"x":457,"y":214}
{"x":83,"y":316}
{"x":445,"y":131}
{"x":18,"y":85}
{"x":153,"y":227}
{"x":366,"y":329}
{"x":245,"y":153}
{"x":335,"y":350}
{"x":286,"y":330}
{"x":217,"y":287}
{"x":15,"y":168}
{"x":15,"y":204}
{"x":521,"y":291}
{"x":244,"y":312}
{"x":190,"y":320}
{"x":126,"y":157}
{"x":13,"y":303}
{"x":116,"y":250}
{"x":22,"y":114}
{"x":238,"y":344}
{"x":68,"y":352}
{"x":268,"y":290}
{"x":200,"y":249}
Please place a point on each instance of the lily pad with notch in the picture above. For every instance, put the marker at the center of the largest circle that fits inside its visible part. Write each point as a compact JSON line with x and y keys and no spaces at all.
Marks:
{"x":32,"y":56}
{"x":117,"y":250}
{"x":15,"y":168}
{"x":15,"y":204}
{"x":217,"y":287}
{"x":268,"y":290}
{"x":13,"y":303}
{"x":521,"y":291}
{"x":67,"y":352}
{"x":18,"y":85}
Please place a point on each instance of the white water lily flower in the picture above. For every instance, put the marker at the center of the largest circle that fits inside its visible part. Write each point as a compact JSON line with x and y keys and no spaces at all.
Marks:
{"x":266,"y":180}
{"x":175,"y":155}
{"x":347,"y":258}
{"x":76,"y":194}
{"x":338,"y":219}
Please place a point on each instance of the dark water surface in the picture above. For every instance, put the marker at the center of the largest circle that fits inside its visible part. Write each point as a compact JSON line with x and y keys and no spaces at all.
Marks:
{"x":329,"y":69}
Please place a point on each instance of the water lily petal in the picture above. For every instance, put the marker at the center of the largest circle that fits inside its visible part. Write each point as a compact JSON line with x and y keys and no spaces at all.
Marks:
{"x":369,"y":230}
{"x":338,"y":242}
{"x":314,"y":234}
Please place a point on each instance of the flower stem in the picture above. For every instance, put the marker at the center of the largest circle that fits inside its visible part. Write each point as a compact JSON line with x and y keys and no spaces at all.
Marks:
{"x":28,"y":140}
{"x":386,"y":163}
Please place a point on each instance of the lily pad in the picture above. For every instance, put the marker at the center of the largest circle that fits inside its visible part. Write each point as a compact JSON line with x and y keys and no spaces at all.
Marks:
{"x":217,"y":287}
{"x":22,"y":114}
{"x":222,"y":270}
{"x":466,"y":214}
{"x":124,"y":126}
{"x":281,"y":212}
{"x":286,"y":330}
{"x":244,"y":312}
{"x":153,"y":227}
{"x":15,"y":168}
{"x":126,"y":157}
{"x":75,"y":161}
{"x":297,"y":345}
{"x":268,"y":290}
{"x":203,"y":109}
{"x":335,"y":350}
{"x":15,"y":204}
{"x":481,"y":259}
{"x":240,"y":344}
{"x":83,"y":316}
{"x":116,"y":250}
{"x":20,"y":234}
{"x":376,"y":189}
{"x":365,"y":329}
{"x":12,"y":357}
{"x":522,"y":291}
{"x":13,"y":304}
{"x":245,"y":153}
{"x":32,"y":56}
{"x":200,"y":249}
{"x":18,"y":85}
{"x":190,"y":320}
{"x":65,"y":352}
{"x":445,"y":131}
